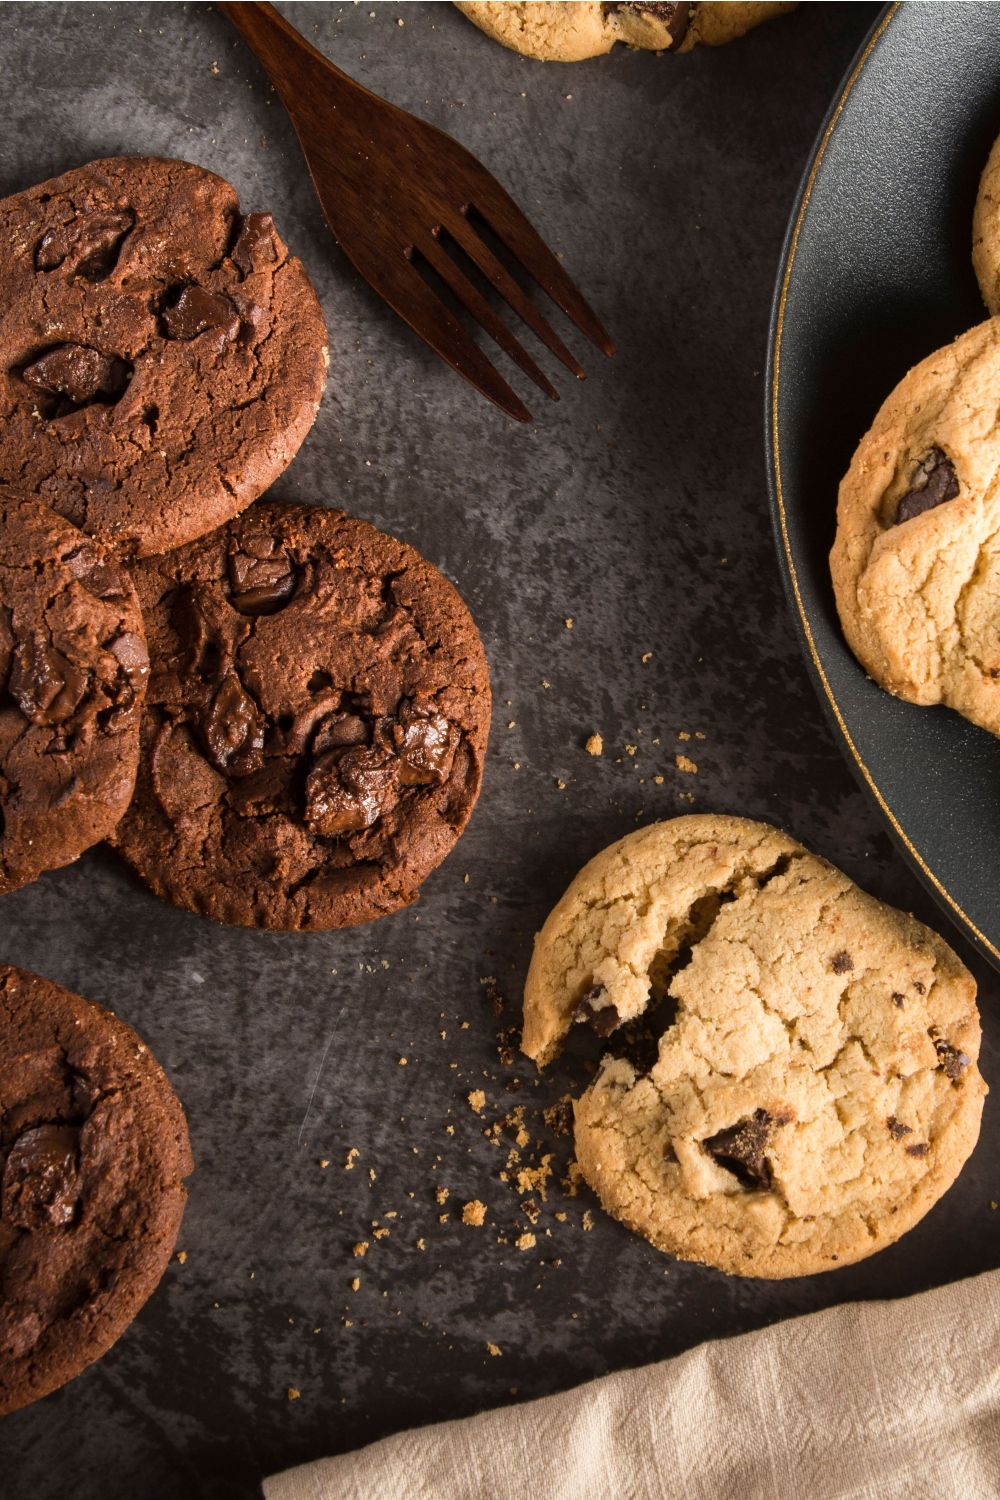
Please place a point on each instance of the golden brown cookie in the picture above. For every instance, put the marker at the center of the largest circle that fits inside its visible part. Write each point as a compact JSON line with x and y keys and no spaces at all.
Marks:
{"x":916,"y":560}
{"x":814,"y":1090}
{"x":569,"y":30}
{"x":986,"y":232}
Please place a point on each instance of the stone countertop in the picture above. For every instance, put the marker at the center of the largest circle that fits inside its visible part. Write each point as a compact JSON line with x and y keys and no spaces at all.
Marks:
{"x":636,"y":509}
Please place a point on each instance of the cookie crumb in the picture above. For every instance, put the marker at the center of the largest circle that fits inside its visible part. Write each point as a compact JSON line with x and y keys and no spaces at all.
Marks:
{"x":403,"y":1061}
{"x":525,"y":1242}
{"x":477,"y":1101}
{"x":182,"y":1256}
{"x":561,"y":1217}
{"x":588,"y":1220}
{"x":474,"y":1212}
{"x":443,"y":1218}
{"x":371,"y":1174}
{"x":569,"y":623}
{"x":658,"y":780}
{"x":292,"y":1393}
{"x":421,"y":1245}
{"x":356,"y":1284}
{"x":630,"y":749}
{"x":683,"y":764}
{"x":595,"y":745}
{"x":441,"y":1194}
{"x":361,"y":1248}
{"x":648,"y":656}
{"x":561,"y":785}
{"x":323,"y":1162}
{"x":494,"y":1348}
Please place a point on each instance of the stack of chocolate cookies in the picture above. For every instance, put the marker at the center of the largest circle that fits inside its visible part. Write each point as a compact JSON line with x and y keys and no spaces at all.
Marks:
{"x":278,"y":714}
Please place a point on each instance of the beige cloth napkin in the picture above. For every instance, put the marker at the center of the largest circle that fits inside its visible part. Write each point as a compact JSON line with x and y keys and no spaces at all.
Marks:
{"x":870,"y":1401}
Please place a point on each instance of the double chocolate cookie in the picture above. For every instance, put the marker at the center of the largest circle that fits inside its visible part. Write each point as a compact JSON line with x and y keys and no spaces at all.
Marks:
{"x":93,"y":1151}
{"x":73,"y":670}
{"x":570,"y":30}
{"x":789,"y":1079}
{"x":316,"y":724}
{"x":161,"y":355}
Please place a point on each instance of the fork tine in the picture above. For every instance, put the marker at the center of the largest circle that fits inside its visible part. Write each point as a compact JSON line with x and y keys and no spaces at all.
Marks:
{"x":523,"y":240}
{"x":480,"y":309}
{"x":408,"y":294}
{"x":481,"y":255}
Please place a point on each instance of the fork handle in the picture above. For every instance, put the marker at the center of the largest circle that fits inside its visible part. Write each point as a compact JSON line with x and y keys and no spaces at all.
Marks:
{"x":281,"y":51}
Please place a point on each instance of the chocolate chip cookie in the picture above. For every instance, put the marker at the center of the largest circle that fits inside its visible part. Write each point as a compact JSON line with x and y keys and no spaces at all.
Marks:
{"x":789,"y":1076}
{"x":162,"y":356}
{"x":571,"y":30}
{"x":986,"y":232}
{"x":314,"y":735}
{"x":93,"y":1151}
{"x":916,"y":560}
{"x":73,"y":670}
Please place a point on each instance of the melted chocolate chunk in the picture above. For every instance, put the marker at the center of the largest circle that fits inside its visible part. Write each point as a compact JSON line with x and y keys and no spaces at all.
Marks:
{"x":426,"y":745}
{"x":46,"y":687}
{"x":603,"y":1019}
{"x":78,"y":373}
{"x":41,"y":1183}
{"x":842,"y":962}
{"x":196,"y":310}
{"x":740,"y":1149}
{"x":920,"y":1149}
{"x":350,"y":790}
{"x":951,"y":1059}
{"x":233,"y":729}
{"x":87,"y":247}
{"x":896,"y":1130}
{"x":255,"y":242}
{"x":934,"y":482}
{"x":260,"y":585}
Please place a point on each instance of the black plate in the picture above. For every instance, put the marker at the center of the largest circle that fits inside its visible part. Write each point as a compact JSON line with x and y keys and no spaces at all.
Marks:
{"x":876,"y":274}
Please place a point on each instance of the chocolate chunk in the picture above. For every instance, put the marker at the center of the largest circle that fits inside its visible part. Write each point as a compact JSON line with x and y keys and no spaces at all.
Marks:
{"x":255,"y":242}
{"x":426,"y":745}
{"x":920,"y":1149}
{"x":88,"y":247}
{"x":896,"y":1130}
{"x":41,"y":1183}
{"x":740,"y":1149}
{"x":350,"y":790}
{"x":934,"y":482}
{"x":898,"y":1000}
{"x":78,"y":373}
{"x":675,"y":17}
{"x":46,"y":687}
{"x":513,"y":1085}
{"x":261,"y":585}
{"x":233,"y":729}
{"x":196,"y":310}
{"x":842,"y":962}
{"x":98,"y":576}
{"x":602,"y":1019}
{"x":952,"y":1060}
{"x":559,"y":1117}
{"x":669,"y":1154}
{"x":919,"y":987}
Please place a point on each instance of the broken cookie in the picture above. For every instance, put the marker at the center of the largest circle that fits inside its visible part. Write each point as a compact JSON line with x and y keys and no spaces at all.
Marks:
{"x":316,"y":728}
{"x":814,"y":1087}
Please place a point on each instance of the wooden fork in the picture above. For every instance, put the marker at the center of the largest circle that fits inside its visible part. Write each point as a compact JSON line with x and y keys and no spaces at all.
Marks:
{"x":394,"y":188}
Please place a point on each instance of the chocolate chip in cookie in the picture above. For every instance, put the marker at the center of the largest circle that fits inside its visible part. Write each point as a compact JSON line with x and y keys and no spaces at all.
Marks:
{"x":934,"y":482}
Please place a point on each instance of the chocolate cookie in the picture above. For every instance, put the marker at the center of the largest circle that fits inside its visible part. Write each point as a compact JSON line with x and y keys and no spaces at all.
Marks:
{"x":790,"y":1079}
{"x":570,"y":30}
{"x":315,"y":730}
{"x":93,"y":1150}
{"x":73,"y":670}
{"x":161,"y":356}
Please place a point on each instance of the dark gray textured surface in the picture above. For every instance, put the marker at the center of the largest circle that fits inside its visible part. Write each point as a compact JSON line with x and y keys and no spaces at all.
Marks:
{"x":667,"y":183}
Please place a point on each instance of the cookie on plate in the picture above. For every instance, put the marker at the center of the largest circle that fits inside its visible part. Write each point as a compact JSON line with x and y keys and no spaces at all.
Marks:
{"x":316,"y":725}
{"x":916,"y":560}
{"x":986,"y":232}
{"x":161,"y":355}
{"x":73,"y":670}
{"x":815,"y":1089}
{"x":571,"y":30}
{"x":93,"y":1153}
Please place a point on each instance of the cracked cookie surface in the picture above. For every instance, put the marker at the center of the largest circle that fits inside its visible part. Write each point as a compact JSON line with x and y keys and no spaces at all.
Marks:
{"x":816,"y":1089}
{"x":162,"y":356}
{"x":316,"y":723}
{"x":572,"y":30}
{"x":73,"y":671}
{"x":916,"y":560}
{"x":93,"y":1153}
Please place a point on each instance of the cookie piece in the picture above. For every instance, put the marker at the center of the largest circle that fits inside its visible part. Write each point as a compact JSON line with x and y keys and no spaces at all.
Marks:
{"x":916,"y":560}
{"x":815,"y":1090}
{"x":73,"y":670}
{"x":568,"y":31}
{"x":314,"y":736}
{"x":93,"y":1151}
{"x":986,"y":232}
{"x":161,"y":356}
